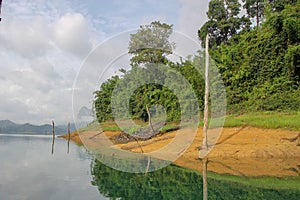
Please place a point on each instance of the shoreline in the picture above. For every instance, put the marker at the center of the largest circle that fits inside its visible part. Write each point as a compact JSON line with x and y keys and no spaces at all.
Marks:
{"x":242,"y":151}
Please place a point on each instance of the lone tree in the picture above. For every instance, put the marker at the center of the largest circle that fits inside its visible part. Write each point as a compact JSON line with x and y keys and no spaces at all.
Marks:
{"x":151,"y":44}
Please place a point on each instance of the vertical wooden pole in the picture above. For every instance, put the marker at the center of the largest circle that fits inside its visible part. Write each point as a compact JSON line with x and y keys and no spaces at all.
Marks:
{"x":204,"y":178}
{"x":0,"y":9}
{"x":205,"y":127}
{"x":53,"y":137}
{"x":69,"y":137}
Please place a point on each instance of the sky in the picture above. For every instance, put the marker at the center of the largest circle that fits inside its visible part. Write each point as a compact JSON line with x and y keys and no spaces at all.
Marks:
{"x":43,"y":45}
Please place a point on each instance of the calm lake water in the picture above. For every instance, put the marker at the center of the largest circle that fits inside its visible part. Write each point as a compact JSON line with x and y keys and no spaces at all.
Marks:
{"x":28,"y":170}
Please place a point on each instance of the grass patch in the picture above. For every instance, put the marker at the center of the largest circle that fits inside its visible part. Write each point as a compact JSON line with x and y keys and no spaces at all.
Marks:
{"x":167,"y":127}
{"x":90,"y":127}
{"x":290,"y":121}
{"x":271,"y":120}
{"x":110,"y":128}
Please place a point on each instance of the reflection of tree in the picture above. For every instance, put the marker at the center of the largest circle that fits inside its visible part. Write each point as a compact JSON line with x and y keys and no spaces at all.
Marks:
{"x":204,"y":178}
{"x":168,"y":183}
{"x":173,"y":182}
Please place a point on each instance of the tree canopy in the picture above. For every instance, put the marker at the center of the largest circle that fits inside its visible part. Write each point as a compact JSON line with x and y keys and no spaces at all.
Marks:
{"x":223,"y":21}
{"x":260,"y":66}
{"x":151,"y":43}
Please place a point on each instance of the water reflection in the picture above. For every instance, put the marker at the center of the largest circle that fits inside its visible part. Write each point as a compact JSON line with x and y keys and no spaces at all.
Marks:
{"x":204,"y":178}
{"x":168,"y":183}
{"x":174,"y":182}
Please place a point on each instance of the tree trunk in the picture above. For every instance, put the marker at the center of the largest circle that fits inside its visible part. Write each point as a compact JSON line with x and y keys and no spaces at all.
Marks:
{"x":149,"y":116}
{"x":257,"y":14}
{"x":205,"y":126}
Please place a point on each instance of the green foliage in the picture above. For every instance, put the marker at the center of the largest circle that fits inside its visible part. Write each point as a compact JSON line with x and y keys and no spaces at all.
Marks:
{"x":156,"y":83}
{"x":265,"y":120}
{"x":223,"y":22}
{"x":151,"y":94}
{"x":151,"y":43}
{"x":255,"y":9}
{"x":279,"y":5}
{"x":261,"y":68}
{"x":103,"y":99}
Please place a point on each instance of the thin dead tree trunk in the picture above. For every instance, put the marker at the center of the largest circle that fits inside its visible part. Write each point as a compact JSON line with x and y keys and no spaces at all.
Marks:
{"x":205,"y":126}
{"x":257,"y":14}
{"x":149,"y":116}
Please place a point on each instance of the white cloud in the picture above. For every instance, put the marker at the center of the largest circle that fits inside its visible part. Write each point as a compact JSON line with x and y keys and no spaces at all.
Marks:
{"x":41,"y":49}
{"x":71,"y":34}
{"x":36,"y":92}
{"x":28,"y":38}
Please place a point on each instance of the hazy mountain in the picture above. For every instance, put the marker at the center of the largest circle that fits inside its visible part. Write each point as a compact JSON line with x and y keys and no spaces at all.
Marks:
{"x":7,"y":126}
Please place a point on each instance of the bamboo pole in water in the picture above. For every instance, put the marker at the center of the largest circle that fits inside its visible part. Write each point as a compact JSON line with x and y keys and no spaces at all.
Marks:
{"x":69,"y":137}
{"x":53,"y":136}
{"x":0,"y":9}
{"x":205,"y":127}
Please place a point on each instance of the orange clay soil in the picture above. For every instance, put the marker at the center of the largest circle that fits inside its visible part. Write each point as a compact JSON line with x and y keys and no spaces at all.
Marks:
{"x":243,"y":151}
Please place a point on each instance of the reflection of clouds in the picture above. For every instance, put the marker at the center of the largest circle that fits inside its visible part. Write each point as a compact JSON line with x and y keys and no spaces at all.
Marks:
{"x":28,"y":171}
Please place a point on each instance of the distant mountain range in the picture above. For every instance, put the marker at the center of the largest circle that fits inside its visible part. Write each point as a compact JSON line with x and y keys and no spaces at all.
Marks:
{"x":7,"y":127}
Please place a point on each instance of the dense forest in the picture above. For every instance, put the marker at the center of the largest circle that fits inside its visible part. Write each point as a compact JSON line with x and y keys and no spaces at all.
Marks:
{"x":257,"y":55}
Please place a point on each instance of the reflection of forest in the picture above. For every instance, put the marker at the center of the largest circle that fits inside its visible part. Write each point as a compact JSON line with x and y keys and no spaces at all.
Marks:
{"x":173,"y":182}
